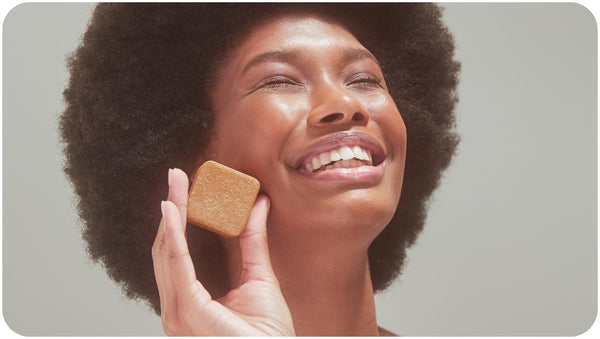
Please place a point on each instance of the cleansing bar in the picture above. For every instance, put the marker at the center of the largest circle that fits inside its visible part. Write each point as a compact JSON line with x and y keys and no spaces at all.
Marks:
{"x":221,"y":198}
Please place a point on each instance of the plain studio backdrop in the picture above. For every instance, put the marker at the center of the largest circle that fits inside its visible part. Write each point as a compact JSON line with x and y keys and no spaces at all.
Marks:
{"x":510,"y":245}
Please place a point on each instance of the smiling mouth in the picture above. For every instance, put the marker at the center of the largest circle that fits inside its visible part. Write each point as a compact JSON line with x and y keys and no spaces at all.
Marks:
{"x":342,"y":157}
{"x":346,"y":150}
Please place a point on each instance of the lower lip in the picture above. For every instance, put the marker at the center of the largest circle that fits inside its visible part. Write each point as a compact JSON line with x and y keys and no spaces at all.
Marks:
{"x":366,"y":175}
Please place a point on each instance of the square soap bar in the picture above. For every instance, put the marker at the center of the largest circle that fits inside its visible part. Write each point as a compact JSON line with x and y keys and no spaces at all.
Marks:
{"x":221,"y":198}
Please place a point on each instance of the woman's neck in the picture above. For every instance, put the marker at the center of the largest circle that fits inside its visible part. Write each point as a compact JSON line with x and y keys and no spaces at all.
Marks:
{"x":326,"y":284}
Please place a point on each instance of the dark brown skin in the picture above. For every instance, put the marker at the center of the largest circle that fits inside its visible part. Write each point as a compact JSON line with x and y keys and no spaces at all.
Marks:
{"x":296,"y":86}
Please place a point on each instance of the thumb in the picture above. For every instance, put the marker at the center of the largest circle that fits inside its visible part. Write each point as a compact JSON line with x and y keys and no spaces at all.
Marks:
{"x":256,"y":263}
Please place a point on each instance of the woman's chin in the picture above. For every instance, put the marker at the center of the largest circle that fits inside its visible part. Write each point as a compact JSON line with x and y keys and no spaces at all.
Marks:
{"x":358,"y":217}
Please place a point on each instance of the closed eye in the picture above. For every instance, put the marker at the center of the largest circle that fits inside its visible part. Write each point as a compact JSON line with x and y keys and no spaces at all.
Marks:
{"x":278,"y":82}
{"x":365,"y":80}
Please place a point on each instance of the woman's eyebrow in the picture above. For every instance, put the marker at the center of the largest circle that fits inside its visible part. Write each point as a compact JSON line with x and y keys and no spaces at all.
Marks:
{"x":353,"y":54}
{"x":347,"y":56}
{"x":270,"y":56}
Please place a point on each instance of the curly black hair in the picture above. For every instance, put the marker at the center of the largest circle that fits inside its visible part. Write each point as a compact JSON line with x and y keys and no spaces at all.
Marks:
{"x":138,"y":103}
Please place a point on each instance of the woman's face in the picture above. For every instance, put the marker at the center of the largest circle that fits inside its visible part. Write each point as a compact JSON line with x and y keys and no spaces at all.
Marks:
{"x":302,"y":106}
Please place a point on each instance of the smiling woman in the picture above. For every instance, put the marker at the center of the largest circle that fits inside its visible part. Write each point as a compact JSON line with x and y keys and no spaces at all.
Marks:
{"x":344,"y":113}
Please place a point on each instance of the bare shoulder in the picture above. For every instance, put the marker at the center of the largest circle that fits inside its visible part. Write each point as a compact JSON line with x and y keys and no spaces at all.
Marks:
{"x":385,"y":333}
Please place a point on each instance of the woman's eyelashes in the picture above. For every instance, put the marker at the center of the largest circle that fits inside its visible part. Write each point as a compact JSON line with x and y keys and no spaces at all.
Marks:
{"x":278,"y":82}
{"x":366,"y":80}
{"x":361,"y":81}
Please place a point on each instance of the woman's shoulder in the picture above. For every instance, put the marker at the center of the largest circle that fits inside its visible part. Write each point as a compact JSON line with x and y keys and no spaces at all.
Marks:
{"x":385,"y":333}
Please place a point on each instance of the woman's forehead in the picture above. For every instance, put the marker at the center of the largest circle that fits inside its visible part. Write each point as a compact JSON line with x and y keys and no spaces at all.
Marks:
{"x":289,"y":36}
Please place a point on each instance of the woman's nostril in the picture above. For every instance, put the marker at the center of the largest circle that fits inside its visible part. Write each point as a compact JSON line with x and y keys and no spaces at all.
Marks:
{"x":357,"y":117}
{"x":332,"y":117}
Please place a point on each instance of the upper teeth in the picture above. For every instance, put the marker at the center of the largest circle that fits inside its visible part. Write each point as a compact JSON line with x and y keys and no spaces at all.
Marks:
{"x":344,"y":156}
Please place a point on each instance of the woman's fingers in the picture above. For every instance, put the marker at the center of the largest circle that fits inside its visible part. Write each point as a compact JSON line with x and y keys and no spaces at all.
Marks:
{"x":178,"y":186}
{"x":159,"y":275}
{"x":181,"y":267}
{"x":256,"y":264}
{"x":178,"y":192}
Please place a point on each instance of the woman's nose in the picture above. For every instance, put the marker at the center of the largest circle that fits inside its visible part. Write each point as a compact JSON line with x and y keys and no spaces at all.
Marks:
{"x":337,"y":107}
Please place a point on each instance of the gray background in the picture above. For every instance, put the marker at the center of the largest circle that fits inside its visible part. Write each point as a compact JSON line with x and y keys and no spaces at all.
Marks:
{"x":510,"y":247}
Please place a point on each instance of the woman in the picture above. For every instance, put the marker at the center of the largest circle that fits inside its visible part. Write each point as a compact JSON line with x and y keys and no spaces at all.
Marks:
{"x":278,"y":92}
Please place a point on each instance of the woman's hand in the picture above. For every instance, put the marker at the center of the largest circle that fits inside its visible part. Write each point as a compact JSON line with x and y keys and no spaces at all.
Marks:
{"x":256,"y":307}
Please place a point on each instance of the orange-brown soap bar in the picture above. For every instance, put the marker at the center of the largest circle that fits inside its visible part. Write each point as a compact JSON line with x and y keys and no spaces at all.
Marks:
{"x":221,"y":198}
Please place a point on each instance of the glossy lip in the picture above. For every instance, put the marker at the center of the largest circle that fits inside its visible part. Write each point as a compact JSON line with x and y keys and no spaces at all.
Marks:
{"x":363,"y":176}
{"x":336,"y":140}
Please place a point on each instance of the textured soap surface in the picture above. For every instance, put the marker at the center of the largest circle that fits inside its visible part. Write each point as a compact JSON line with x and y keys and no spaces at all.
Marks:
{"x":221,"y":198}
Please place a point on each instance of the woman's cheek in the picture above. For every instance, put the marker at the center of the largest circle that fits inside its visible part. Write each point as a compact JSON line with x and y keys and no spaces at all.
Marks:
{"x":284,"y":108}
{"x":379,"y":104}
{"x":255,"y":132}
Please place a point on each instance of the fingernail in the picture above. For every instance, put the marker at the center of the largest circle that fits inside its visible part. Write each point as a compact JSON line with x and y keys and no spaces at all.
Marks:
{"x":169,"y":176}
{"x":162,"y":208}
{"x":267,"y":201}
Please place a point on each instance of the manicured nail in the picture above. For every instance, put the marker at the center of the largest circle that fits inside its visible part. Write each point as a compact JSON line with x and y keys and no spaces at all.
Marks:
{"x":169,"y":176}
